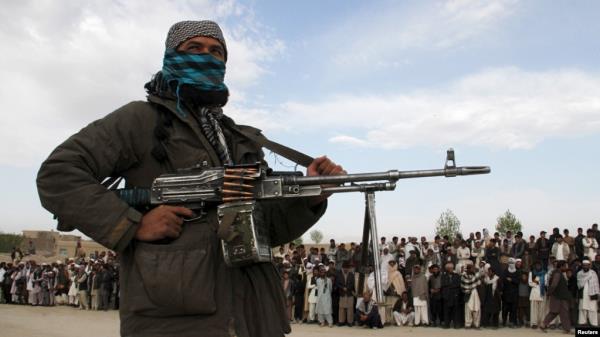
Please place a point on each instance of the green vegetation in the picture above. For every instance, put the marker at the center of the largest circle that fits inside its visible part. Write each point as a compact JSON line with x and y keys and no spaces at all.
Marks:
{"x":8,"y":241}
{"x":448,"y":224}
{"x":316,"y":236}
{"x":508,"y":222}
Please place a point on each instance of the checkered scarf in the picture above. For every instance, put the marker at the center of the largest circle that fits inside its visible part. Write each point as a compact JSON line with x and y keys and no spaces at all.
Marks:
{"x":201,"y":71}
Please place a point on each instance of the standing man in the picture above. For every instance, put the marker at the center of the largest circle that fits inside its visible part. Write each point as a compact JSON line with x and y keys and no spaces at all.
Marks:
{"x":324,"y":303}
{"x":569,"y":240}
{"x":3,"y":272}
{"x":393,"y":247}
{"x":510,"y":293}
{"x":184,"y":286}
{"x":450,"y":297}
{"x":554,"y":236}
{"x":420,"y":294}
{"x":346,"y":289}
{"x":342,"y":255}
{"x":288,"y":290}
{"x":492,"y":256}
{"x":518,"y":248}
{"x":537,"y":296}
{"x":332,"y":251}
{"x":82,"y":286}
{"x":560,"y":249}
{"x":590,"y":245}
{"x":542,"y":249}
{"x":463,"y":253}
{"x":382,"y":244}
{"x":587,"y":283}
{"x":105,"y":279}
{"x":558,"y":298}
{"x":435,"y":295}
{"x":579,"y":243}
{"x":470,"y":281}
{"x":491,"y":301}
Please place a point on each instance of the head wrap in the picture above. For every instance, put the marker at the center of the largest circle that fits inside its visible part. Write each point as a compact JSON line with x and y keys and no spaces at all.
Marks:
{"x":511,"y":265}
{"x":194,"y":81}
{"x":184,"y":30}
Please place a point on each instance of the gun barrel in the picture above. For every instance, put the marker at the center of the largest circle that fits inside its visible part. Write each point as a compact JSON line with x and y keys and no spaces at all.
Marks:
{"x":446,"y":172}
{"x":392,"y":175}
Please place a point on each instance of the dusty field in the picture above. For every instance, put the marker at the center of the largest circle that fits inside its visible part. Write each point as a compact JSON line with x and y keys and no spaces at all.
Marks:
{"x":25,"y":321}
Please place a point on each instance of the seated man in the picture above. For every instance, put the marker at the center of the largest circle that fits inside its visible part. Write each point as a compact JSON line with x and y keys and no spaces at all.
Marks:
{"x":404,"y":313}
{"x":367,"y":313}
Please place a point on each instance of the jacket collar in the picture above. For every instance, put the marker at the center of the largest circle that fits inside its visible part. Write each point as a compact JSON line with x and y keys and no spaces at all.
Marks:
{"x":171,"y":105}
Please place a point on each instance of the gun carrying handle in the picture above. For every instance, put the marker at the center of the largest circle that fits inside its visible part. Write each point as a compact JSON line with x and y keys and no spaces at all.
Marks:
{"x":282,"y":150}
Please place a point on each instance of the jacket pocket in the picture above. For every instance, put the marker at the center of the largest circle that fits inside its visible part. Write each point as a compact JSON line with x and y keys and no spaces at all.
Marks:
{"x":177,"y":279}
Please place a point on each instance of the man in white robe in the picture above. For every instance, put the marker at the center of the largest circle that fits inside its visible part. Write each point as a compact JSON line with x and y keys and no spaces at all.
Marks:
{"x":560,"y":249}
{"x":324,"y":302}
{"x":403,"y":311}
{"x":587,"y":281}
{"x":537,"y":296}
{"x":463,"y":253}
{"x":384,"y":260}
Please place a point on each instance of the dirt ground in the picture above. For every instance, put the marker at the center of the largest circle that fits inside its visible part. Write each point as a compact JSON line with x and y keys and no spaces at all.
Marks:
{"x":20,"y":321}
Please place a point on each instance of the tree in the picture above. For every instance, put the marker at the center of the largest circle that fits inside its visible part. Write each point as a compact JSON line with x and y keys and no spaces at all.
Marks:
{"x":316,"y":236}
{"x":8,"y":241}
{"x":508,"y":222}
{"x":448,"y":224}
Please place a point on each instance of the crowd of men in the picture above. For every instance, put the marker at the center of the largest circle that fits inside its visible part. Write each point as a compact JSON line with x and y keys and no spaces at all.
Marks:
{"x":481,"y":281}
{"x":86,"y":283}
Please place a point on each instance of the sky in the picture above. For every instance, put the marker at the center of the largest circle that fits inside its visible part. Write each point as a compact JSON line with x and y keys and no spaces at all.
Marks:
{"x":374,"y":85}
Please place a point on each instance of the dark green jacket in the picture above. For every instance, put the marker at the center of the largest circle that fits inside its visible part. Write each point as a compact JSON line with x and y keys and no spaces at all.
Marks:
{"x":182,"y":288}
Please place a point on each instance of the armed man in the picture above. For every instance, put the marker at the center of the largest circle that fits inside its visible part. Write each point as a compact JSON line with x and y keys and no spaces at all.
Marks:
{"x":174,"y":280}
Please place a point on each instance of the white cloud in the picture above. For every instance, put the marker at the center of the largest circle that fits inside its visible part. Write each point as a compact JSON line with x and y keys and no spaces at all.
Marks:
{"x":67,"y":65}
{"x":349,"y":140}
{"x":498,"y":108}
{"x":391,"y":32}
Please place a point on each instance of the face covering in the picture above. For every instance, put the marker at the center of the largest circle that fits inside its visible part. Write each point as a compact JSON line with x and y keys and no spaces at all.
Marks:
{"x":202,"y":74}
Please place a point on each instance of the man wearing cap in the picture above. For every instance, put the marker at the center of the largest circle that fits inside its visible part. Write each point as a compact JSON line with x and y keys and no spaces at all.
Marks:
{"x":180,"y":287}
{"x":587,"y":283}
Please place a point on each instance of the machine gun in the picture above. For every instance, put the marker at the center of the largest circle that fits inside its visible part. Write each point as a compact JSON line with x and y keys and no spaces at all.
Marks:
{"x":235,"y":190}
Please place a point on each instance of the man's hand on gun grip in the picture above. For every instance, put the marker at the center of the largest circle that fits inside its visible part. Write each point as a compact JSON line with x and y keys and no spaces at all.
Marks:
{"x":162,"y":222}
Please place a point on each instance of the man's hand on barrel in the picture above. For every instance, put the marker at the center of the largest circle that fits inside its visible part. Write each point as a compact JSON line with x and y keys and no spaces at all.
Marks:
{"x":323,"y":166}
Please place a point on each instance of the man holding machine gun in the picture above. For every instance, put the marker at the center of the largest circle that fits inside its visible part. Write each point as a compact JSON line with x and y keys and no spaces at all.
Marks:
{"x":181,"y":125}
